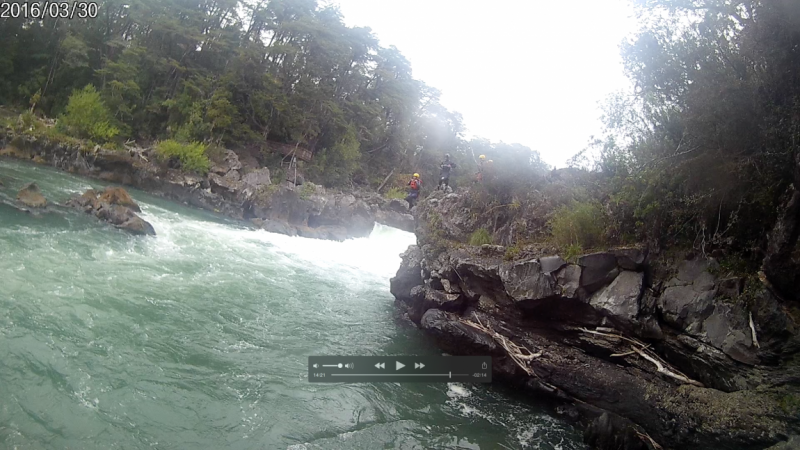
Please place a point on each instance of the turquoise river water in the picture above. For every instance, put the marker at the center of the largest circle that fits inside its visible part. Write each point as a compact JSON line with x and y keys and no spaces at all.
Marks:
{"x":198,"y":338}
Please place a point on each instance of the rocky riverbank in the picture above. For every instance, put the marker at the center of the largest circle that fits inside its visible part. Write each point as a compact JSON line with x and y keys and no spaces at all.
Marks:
{"x":643,"y":350}
{"x":234,"y":188}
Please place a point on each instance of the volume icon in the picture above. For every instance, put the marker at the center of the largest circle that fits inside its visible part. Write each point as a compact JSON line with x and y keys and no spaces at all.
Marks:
{"x":349,"y":365}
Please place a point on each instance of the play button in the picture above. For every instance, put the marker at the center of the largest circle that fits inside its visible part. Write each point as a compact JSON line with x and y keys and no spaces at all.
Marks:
{"x":398,"y":365}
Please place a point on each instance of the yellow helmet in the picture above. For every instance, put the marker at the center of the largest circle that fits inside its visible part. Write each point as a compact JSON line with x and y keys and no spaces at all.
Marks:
{"x":416,"y":175}
{"x":482,"y":157}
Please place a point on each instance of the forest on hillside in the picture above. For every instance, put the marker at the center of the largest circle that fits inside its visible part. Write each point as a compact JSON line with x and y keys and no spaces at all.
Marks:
{"x":703,"y":152}
{"x":706,"y":148}
{"x":239,"y":73}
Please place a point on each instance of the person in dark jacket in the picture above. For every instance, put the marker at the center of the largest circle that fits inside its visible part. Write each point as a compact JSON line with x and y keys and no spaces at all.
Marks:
{"x":446,"y":167}
{"x":413,"y":190}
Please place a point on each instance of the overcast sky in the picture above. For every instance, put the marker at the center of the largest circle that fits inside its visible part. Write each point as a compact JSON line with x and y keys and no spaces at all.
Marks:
{"x":524,"y":71}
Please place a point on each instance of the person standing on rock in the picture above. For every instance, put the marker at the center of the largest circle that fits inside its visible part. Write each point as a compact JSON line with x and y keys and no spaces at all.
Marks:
{"x":413,"y":190}
{"x":446,"y":167}
{"x":479,"y":175}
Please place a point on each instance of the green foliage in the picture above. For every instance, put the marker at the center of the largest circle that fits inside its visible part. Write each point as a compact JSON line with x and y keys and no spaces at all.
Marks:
{"x":511,"y":253}
{"x":790,"y":403}
{"x":571,"y":252}
{"x":196,"y":71}
{"x":307,"y":191}
{"x":734,"y":265}
{"x":396,"y":193}
{"x":480,"y":237}
{"x":192,"y":156}
{"x":87,"y":117}
{"x":702,"y":152}
{"x":335,"y":166}
{"x":26,"y":122}
{"x":578,"y":224}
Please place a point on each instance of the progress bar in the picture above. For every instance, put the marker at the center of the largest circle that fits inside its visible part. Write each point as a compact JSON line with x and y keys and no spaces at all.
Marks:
{"x":431,"y":369}
{"x":450,"y":375}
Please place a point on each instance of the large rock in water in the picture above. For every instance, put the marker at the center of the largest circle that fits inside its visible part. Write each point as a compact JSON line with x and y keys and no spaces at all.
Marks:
{"x":118,"y":196}
{"x":408,"y":275}
{"x":114,"y":206}
{"x":31,"y":196}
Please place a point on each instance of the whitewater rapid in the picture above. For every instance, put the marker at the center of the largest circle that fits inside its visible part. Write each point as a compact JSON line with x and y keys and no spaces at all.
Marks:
{"x":199,"y":336}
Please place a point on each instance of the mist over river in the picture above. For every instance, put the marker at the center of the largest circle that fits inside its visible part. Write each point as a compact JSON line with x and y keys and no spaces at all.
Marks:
{"x":198,"y":338}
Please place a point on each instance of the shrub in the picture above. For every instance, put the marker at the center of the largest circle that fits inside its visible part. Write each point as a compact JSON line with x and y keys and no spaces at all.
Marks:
{"x":192,"y":156}
{"x":397,"y":193}
{"x":579,"y":224}
{"x":480,"y":237}
{"x":511,"y":253}
{"x":87,"y":117}
{"x":26,"y":122}
{"x":307,"y":191}
{"x":571,"y":252}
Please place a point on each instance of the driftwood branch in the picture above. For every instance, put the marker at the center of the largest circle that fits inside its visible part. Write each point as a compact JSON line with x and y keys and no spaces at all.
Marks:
{"x":640,"y":348}
{"x":753,"y":331}
{"x":520,"y":354}
{"x":645,"y":436}
{"x":664,"y":371}
{"x":615,"y":355}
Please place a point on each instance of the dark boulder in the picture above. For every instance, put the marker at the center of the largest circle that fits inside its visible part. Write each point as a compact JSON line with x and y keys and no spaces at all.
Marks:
{"x":728,"y":329}
{"x":408,"y":275}
{"x":452,"y":334}
{"x":551,"y":263}
{"x":612,"y":432}
{"x":274,"y":226}
{"x":776,"y":329}
{"x":397,"y":205}
{"x":442,"y":300}
{"x":257,"y":178}
{"x":619,"y":301}
{"x":568,"y":279}
{"x":599,"y":269}
{"x":525,"y":282}
{"x":688,"y":299}
{"x":629,"y":258}
{"x":399,"y":220}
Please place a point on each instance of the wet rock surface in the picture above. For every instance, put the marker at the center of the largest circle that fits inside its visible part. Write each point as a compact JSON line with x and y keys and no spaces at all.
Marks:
{"x":632,"y":357}
{"x":115,"y":206}
{"x":234,"y":186}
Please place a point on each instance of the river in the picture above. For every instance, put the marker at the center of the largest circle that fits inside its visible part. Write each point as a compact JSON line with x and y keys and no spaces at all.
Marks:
{"x":198,"y":338}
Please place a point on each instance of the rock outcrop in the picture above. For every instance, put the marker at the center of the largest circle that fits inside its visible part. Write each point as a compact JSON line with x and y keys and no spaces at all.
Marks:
{"x":115,"y":206}
{"x":31,"y":197}
{"x":237,"y":189}
{"x":679,"y":360}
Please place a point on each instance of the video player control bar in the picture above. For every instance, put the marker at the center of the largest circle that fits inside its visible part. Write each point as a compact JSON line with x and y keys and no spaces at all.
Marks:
{"x":426,"y":369}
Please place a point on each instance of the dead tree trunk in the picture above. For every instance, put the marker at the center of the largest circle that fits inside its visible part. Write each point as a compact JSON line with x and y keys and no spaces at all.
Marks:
{"x":385,"y":180}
